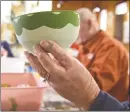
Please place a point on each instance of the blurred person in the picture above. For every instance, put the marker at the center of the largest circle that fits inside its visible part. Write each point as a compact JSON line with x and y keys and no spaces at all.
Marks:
{"x":105,"y":57}
{"x":71,"y":79}
{"x":3,"y":52}
{"x":6,"y":50}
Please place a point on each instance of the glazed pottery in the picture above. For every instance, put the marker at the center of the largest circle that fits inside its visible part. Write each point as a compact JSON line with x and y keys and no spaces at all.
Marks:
{"x":59,"y":26}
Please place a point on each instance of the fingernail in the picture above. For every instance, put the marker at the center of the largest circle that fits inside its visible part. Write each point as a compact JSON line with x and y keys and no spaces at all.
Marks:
{"x":35,"y":48}
{"x":26,"y":53}
{"x":44,"y":43}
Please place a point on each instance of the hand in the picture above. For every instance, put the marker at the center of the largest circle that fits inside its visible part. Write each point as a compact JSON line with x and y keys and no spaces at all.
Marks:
{"x":67,"y":75}
{"x":4,"y":52}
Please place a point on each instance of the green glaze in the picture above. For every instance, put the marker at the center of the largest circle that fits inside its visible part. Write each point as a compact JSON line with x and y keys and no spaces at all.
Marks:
{"x":52,"y":19}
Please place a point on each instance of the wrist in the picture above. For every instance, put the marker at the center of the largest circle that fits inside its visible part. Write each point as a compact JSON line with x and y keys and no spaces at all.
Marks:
{"x":87,"y":104}
{"x":91,"y":93}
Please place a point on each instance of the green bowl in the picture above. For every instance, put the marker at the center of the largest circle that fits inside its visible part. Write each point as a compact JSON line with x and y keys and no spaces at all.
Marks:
{"x":59,"y":26}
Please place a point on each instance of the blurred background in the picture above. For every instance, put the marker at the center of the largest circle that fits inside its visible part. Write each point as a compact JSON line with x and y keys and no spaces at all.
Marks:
{"x":113,"y":17}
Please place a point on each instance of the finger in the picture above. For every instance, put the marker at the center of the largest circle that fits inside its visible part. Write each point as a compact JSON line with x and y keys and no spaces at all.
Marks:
{"x":49,"y":64}
{"x":59,"y":54}
{"x":53,"y":58}
{"x":34,"y":62}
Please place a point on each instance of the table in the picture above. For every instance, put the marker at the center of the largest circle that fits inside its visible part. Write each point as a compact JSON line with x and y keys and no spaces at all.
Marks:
{"x":53,"y":101}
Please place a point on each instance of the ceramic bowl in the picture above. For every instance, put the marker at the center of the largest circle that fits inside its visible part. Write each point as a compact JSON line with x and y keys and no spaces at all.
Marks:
{"x":59,"y":26}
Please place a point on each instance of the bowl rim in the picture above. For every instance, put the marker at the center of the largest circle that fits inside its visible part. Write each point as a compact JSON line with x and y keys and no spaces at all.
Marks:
{"x":43,"y":12}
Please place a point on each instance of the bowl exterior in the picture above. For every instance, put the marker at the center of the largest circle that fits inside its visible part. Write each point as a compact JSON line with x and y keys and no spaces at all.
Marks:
{"x":62,"y":27}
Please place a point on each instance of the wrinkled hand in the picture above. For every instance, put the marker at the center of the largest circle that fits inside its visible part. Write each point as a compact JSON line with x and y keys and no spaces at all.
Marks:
{"x":67,"y":75}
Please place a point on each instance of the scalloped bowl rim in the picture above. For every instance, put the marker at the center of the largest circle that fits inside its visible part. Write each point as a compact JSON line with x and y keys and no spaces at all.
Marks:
{"x":42,"y":12}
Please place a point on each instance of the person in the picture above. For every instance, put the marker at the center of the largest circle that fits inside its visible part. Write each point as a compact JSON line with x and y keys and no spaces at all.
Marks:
{"x":105,"y":57}
{"x":70,"y":78}
{"x":4,"y":52}
{"x":5,"y":49}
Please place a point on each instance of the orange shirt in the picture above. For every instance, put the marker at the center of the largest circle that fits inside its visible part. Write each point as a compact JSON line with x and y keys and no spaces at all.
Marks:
{"x":107,"y":61}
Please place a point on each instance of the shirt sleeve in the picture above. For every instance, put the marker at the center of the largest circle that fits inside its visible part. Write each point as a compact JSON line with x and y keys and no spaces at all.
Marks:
{"x":105,"y":102}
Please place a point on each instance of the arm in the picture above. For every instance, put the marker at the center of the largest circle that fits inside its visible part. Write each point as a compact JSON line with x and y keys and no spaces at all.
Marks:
{"x":105,"y":102}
